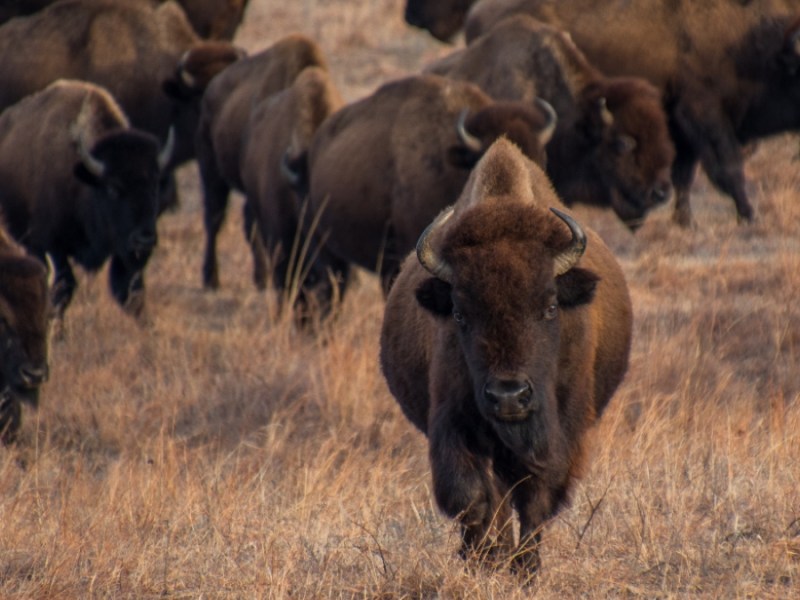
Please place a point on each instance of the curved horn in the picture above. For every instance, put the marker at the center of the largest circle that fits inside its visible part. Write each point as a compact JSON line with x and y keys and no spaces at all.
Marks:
{"x":166,"y":151}
{"x":93,"y":165}
{"x":51,"y":270}
{"x":552,"y":119}
{"x":425,"y":253}
{"x":569,"y":257}
{"x":469,"y":140}
{"x":605,"y":114}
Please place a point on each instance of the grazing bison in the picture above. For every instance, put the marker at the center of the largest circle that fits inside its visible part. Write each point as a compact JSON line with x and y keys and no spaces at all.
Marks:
{"x":611,"y":146}
{"x":224,"y":130}
{"x":130,"y":48}
{"x":24,"y":321}
{"x":443,"y":19}
{"x":76,"y":181}
{"x":727,"y":71}
{"x":381,"y":168}
{"x":503,"y":341}
{"x":280,"y":130}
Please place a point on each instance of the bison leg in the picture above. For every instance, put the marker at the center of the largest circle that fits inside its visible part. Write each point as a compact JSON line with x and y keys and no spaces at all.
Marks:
{"x":253,"y":236}
{"x":10,"y":417}
{"x":215,"y":204}
{"x":64,"y":284}
{"x":127,"y":286}
{"x":535,"y":502}
{"x":465,"y":490}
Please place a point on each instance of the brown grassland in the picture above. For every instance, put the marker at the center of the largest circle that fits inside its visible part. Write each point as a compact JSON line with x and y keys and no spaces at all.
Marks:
{"x":216,"y":452}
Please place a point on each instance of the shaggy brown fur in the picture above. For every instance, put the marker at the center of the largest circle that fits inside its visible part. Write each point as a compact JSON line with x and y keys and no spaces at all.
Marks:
{"x":723,"y":67}
{"x":504,"y":317}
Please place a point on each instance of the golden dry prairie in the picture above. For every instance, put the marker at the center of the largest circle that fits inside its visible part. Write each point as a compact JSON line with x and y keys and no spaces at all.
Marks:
{"x":216,"y":452}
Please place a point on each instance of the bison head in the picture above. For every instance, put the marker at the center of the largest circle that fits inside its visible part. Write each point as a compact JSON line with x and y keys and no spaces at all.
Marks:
{"x":633,"y":152}
{"x":24,"y":323}
{"x":504,"y":272}
{"x":123,"y":169}
{"x":442,"y":18}
{"x":530,"y":128}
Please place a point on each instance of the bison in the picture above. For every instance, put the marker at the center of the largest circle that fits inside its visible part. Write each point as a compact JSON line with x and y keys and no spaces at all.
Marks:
{"x":382,"y":167}
{"x":611,"y":146}
{"x":211,"y":19}
{"x":503,"y":340}
{"x":132,"y":49}
{"x":24,"y":324}
{"x":76,"y":181}
{"x":442,"y":19}
{"x":280,"y":130}
{"x":224,"y":130}
{"x":727,"y":72}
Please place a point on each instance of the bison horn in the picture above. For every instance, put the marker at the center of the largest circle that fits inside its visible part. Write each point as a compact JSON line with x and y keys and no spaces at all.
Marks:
{"x":552,"y":118}
{"x":605,"y":114}
{"x":92,"y":164}
{"x":469,"y":140}
{"x":427,"y":256}
{"x":166,"y":152}
{"x":569,"y":257}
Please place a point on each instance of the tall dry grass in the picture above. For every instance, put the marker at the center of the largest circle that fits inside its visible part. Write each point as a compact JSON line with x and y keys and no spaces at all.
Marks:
{"x":217,"y":452}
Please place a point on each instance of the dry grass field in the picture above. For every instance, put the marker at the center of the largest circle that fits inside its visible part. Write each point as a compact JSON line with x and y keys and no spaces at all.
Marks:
{"x":217,"y":452}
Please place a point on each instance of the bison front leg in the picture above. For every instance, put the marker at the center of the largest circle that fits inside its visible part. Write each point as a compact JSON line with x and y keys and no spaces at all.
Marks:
{"x":465,"y":489}
{"x":127,"y":286}
{"x":64,"y":285}
{"x":536,"y":502}
{"x":253,"y":235}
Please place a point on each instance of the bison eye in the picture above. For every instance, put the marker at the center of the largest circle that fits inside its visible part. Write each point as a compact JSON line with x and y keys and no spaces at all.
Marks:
{"x":458,"y":317}
{"x":551,"y":312}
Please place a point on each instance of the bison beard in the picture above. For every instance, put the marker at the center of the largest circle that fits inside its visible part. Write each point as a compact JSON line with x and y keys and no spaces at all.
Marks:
{"x":527,"y":440}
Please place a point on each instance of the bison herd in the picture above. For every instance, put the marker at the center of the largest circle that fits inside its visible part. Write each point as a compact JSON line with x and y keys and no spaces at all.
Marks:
{"x":507,"y":324}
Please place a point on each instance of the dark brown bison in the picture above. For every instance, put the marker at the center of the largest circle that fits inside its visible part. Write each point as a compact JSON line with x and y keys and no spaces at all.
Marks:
{"x":77,"y":182}
{"x":503,"y":341}
{"x":443,"y":19}
{"x":24,"y":324}
{"x":130,"y":48}
{"x":381,"y":168}
{"x":211,"y":19}
{"x":727,"y":71}
{"x":611,"y":146}
{"x":224,"y":130}
{"x":279,"y":133}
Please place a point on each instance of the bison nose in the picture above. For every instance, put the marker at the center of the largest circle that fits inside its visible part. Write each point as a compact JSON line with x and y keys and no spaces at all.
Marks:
{"x":661,"y":192}
{"x":508,"y":398}
{"x":412,"y":15}
{"x":33,"y":375}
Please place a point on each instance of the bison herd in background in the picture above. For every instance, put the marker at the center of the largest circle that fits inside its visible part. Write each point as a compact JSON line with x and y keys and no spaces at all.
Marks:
{"x":508,"y":330}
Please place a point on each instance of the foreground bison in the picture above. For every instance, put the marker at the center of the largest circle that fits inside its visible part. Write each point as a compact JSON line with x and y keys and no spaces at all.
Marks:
{"x":76,"y":181}
{"x":381,"y":168}
{"x":727,"y":71}
{"x":611,"y":146}
{"x":24,"y":318}
{"x":503,"y":341}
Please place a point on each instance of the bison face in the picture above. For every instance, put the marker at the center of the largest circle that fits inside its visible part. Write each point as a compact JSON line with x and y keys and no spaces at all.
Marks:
{"x":501,"y":289}
{"x":24,"y":322}
{"x":124,"y":172}
{"x":442,"y":18}
{"x":633,"y":151}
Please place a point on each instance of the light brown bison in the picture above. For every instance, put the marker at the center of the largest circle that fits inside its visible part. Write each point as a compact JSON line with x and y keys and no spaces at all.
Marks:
{"x":279,"y":133}
{"x":224,"y":129}
{"x":503,"y":341}
{"x":382,"y":167}
{"x":611,"y":146}
{"x":130,"y":48}
{"x":77,"y":182}
{"x":727,"y":71}
{"x":24,"y":324}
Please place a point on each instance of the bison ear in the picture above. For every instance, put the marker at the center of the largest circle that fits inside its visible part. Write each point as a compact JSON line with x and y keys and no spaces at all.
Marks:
{"x":84,"y":175}
{"x":462,"y":158}
{"x":434,"y":296}
{"x":576,"y":287}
